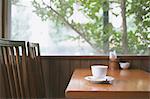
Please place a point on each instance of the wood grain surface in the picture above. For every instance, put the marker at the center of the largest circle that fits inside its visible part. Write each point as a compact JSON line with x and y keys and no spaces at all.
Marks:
{"x":128,"y":84}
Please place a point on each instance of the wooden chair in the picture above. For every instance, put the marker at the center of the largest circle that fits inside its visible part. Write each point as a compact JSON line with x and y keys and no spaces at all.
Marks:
{"x":38,"y":87}
{"x":13,"y":70}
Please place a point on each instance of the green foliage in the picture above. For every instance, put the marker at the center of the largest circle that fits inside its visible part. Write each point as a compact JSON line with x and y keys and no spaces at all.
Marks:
{"x":93,"y":31}
{"x":136,"y":45}
{"x":115,"y":43}
{"x":140,"y":37}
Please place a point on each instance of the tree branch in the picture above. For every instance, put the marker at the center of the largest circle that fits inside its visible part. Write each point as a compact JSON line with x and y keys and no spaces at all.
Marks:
{"x":77,"y":31}
{"x":124,"y":27}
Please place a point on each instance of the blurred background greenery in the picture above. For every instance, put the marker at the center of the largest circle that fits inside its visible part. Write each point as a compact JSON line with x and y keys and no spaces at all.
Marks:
{"x":97,"y":25}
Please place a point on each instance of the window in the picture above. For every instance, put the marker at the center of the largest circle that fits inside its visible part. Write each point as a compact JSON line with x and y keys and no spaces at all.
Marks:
{"x":79,"y":27}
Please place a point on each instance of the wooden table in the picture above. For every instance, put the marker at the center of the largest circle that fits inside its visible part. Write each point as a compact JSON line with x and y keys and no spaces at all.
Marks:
{"x":128,"y":84}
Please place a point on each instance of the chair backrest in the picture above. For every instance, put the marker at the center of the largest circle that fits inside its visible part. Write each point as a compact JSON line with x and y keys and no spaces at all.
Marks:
{"x":14,"y":69}
{"x":37,"y":76}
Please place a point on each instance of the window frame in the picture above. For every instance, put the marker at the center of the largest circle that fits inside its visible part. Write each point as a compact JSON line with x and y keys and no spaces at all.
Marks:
{"x":6,"y":18}
{"x":0,"y":18}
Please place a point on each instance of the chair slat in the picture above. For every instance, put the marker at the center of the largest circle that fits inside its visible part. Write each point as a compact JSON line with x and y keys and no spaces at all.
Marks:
{"x":4,"y":88}
{"x":19,"y":71}
{"x":14,"y":69}
{"x":13,"y":60}
{"x":9,"y":72}
{"x":35,"y":61}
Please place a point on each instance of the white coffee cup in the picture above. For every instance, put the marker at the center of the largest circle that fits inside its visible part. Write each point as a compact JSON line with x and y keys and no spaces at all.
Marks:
{"x":99,"y":71}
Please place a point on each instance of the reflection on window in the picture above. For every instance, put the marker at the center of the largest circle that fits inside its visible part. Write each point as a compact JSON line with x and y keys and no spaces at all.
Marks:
{"x":80,"y":27}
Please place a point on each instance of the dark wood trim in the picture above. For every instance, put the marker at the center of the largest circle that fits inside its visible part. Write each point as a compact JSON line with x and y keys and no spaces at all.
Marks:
{"x":3,"y":18}
{"x":76,"y":57}
{"x":97,"y":57}
{"x":6,"y":18}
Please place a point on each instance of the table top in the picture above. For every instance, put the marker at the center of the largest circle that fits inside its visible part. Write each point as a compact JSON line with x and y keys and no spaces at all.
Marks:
{"x":126,"y":81}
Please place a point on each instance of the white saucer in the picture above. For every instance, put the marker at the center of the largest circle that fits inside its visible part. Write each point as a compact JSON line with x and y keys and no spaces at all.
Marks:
{"x":105,"y":80}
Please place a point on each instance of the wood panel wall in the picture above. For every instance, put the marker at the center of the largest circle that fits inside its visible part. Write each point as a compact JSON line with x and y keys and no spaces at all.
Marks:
{"x":58,"y":69}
